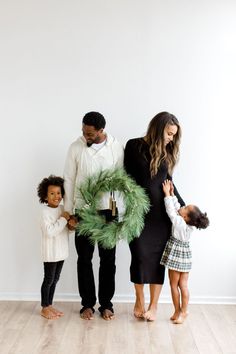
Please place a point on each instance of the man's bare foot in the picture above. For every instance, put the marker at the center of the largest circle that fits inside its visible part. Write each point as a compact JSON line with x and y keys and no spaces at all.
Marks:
{"x":107,"y":315}
{"x":57,"y":312}
{"x":47,"y":313}
{"x":139,"y":308}
{"x":87,"y":314}
{"x":150,"y":314}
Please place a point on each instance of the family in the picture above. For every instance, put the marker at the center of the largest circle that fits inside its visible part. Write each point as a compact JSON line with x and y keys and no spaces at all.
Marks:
{"x":163,"y":242}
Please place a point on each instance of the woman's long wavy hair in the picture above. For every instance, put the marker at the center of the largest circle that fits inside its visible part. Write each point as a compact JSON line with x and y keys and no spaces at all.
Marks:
{"x":155,"y":139}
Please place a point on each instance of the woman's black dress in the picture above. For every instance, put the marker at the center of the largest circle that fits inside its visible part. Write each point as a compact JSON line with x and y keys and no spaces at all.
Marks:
{"x":146,"y":250}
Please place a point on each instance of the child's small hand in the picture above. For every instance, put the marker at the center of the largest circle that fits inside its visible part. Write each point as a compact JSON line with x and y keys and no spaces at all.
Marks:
{"x":172,"y":189}
{"x":65,"y":215}
{"x":166,"y":185}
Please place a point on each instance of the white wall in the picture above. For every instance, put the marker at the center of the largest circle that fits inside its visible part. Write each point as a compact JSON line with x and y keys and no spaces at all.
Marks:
{"x":128,"y":59}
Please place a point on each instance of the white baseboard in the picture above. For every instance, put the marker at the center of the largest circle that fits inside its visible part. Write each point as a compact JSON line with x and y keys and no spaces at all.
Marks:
{"x":164,"y":299}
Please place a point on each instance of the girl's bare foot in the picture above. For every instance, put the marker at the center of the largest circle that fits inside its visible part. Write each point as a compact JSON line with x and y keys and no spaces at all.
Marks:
{"x":57,"y":312}
{"x":150,"y":314}
{"x":139,"y":309}
{"x":47,"y":313}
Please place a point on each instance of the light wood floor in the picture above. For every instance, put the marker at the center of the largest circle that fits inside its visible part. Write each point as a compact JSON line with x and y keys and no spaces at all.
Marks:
{"x":209,"y":329}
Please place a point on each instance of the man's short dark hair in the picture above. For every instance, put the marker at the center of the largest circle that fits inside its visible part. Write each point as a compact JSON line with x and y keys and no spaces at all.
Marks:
{"x":94,"y":119}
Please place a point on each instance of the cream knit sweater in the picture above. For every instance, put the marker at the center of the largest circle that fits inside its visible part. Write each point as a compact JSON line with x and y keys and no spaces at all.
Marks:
{"x":55,"y":234}
{"x":82,"y":162}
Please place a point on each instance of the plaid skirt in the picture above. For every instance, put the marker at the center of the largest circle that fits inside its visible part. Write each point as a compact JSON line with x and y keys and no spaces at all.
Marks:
{"x":177,"y":255}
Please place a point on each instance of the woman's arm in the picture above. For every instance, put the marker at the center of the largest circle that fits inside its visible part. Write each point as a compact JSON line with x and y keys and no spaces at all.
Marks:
{"x":180,"y":200}
{"x":129,"y":159}
{"x":176,"y":193}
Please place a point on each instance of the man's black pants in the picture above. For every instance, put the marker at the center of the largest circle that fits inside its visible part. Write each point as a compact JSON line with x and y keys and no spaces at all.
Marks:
{"x":107,"y":269}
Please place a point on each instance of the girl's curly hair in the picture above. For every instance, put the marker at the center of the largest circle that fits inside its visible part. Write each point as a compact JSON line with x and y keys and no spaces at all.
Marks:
{"x":45,"y":183}
{"x":198,"y":219}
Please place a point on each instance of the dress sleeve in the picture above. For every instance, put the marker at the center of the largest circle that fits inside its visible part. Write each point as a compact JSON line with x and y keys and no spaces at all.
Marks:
{"x":129,"y":159}
{"x":176,"y":193}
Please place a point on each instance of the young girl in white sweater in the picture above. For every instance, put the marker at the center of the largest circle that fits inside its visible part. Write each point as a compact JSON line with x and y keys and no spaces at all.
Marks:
{"x":55,"y":242}
{"x":177,"y":255}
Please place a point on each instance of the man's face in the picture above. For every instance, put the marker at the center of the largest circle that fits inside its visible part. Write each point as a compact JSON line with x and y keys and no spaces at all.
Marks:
{"x":92,"y":136}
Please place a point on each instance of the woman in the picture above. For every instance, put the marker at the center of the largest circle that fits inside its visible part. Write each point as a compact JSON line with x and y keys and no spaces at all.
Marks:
{"x":150,"y":160}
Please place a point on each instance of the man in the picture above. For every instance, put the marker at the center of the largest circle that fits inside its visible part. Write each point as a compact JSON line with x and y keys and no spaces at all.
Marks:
{"x":89,"y":154}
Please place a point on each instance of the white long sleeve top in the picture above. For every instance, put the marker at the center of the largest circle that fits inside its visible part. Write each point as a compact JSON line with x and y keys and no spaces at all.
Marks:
{"x":180,"y":230}
{"x":55,"y":234}
{"x":83,"y":161}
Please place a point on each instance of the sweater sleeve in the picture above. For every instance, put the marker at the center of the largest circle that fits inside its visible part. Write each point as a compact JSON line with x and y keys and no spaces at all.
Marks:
{"x":70,"y":172}
{"x":177,"y":220}
{"x":120,"y":156}
{"x":50,"y":227}
{"x":176,"y":203}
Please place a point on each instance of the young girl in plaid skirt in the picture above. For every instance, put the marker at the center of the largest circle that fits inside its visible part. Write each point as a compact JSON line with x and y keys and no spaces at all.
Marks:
{"x":177,"y":255}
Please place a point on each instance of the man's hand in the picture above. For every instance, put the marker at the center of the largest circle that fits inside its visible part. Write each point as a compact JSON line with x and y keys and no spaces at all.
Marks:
{"x":72,"y":223}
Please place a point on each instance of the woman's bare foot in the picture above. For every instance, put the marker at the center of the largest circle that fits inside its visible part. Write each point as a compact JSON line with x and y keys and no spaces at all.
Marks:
{"x":175,"y":316}
{"x":47,"y":313}
{"x":107,"y":315}
{"x":139,"y":308}
{"x":57,"y":312}
{"x":150,"y":314}
{"x":181,"y":318}
{"x":87,"y":314}
{"x":184,"y":313}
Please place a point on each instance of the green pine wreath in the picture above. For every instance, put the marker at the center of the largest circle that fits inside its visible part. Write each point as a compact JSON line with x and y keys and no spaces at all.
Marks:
{"x":93,"y":225}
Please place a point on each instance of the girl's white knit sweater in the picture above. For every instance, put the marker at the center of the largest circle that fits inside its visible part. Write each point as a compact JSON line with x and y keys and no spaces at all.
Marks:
{"x":55,"y":234}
